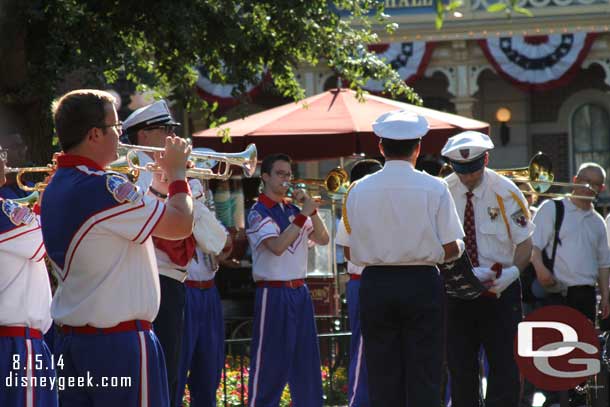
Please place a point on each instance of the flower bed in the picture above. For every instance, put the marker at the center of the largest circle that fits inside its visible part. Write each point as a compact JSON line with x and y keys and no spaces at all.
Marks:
{"x":334,"y":386}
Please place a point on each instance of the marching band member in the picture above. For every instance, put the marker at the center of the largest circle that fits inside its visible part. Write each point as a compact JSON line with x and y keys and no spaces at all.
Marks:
{"x":401,"y":223}
{"x":498,"y":241}
{"x":96,"y":227}
{"x":25,"y":300}
{"x":284,"y":344}
{"x":581,"y":260}
{"x":203,"y":348}
{"x":149,"y":126}
{"x":358,"y":392}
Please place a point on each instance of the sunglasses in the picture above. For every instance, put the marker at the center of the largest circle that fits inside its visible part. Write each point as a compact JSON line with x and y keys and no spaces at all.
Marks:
{"x":166,"y":128}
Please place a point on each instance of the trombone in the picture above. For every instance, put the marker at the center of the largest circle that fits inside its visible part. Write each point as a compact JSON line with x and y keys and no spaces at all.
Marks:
{"x":539,"y":175}
{"x":335,"y":182}
{"x":246,"y":159}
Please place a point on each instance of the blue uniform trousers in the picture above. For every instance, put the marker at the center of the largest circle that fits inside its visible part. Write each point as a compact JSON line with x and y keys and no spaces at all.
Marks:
{"x":358,"y":389}
{"x":492,"y":323}
{"x":203,"y":351}
{"x":284,"y":349}
{"x":106,"y":358}
{"x":402,"y":321}
{"x":169,"y":326}
{"x":40,"y":389}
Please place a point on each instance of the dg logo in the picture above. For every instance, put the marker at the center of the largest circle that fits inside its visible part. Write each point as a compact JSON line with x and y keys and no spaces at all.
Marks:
{"x":556,"y":348}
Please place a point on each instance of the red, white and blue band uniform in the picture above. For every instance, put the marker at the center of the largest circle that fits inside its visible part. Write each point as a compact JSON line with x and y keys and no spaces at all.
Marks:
{"x":358,"y":389}
{"x":96,"y":227}
{"x":203,"y":341}
{"x":26,"y":365}
{"x":284,"y":344}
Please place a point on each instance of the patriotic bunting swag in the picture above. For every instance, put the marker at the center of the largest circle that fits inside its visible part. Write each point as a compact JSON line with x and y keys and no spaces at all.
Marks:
{"x":222,"y":93}
{"x":410,"y":59}
{"x":538,"y":62}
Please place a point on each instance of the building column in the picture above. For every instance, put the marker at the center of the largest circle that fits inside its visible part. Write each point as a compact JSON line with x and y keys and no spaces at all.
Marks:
{"x":464,"y":105}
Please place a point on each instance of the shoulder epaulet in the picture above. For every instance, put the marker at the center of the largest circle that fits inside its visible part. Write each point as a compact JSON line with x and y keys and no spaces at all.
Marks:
{"x":344,"y":209}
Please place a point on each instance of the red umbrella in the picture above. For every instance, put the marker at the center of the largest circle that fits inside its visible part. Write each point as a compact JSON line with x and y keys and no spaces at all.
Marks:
{"x":329,"y":125}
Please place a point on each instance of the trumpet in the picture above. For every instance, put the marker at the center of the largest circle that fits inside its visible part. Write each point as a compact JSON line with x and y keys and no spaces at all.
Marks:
{"x":335,"y":182}
{"x":119,"y":166}
{"x":539,"y":175}
{"x":246,"y":159}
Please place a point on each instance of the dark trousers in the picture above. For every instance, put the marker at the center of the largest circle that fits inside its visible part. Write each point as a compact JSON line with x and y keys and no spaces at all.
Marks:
{"x":491,"y":323}
{"x":401,"y":312}
{"x":169,"y":328}
{"x":582,"y":298}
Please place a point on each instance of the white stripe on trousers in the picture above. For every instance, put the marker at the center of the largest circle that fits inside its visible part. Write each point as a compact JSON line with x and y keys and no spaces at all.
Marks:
{"x":260,"y":347}
{"x":357,"y":378}
{"x":29,"y":390}
{"x":143,"y":370}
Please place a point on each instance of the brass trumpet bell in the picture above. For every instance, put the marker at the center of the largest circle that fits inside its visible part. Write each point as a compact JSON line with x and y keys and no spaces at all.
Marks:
{"x":539,"y":173}
{"x":335,"y":182}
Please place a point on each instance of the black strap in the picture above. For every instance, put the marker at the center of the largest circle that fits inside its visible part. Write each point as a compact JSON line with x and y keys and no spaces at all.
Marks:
{"x":559,"y":210}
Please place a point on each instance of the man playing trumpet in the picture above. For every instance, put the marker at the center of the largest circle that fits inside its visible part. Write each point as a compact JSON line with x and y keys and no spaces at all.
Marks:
{"x":149,"y":126}
{"x":284,"y":341}
{"x":97,"y":227}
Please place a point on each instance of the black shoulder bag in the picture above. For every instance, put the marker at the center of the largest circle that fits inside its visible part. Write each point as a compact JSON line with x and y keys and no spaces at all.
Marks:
{"x":528,"y":277}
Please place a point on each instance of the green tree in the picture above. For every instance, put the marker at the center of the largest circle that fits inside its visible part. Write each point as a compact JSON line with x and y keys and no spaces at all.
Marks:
{"x":45,"y":43}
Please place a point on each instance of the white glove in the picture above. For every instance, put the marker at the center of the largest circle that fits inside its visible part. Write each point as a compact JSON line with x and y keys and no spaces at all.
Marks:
{"x":484,"y":274}
{"x":508,"y":276}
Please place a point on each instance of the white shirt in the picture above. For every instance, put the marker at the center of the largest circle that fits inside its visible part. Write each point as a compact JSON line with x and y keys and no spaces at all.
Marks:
{"x":100,"y":247}
{"x":342,"y":239}
{"x":584,"y":242}
{"x":201,"y":267}
{"x":400,"y":216}
{"x":269,"y":219}
{"x":494,"y":244}
{"x":25,"y":292}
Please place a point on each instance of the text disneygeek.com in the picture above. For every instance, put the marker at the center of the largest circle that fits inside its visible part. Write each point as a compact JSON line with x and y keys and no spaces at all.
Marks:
{"x":62,"y":382}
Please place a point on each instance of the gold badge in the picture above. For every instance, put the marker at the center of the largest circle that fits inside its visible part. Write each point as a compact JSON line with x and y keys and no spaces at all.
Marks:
{"x":493,"y":213}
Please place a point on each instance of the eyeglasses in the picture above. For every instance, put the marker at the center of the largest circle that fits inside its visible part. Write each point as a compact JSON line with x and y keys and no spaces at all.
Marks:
{"x":283,"y":174}
{"x":166,"y":128}
{"x":117,"y":126}
{"x":595,"y":187}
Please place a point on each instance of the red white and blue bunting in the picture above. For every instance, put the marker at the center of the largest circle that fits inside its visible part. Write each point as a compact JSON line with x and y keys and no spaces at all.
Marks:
{"x":222,"y":93}
{"x":538,"y":62}
{"x":409,"y":59}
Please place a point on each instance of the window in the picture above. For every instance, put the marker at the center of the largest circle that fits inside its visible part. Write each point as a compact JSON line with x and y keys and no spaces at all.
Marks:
{"x":591,"y":136}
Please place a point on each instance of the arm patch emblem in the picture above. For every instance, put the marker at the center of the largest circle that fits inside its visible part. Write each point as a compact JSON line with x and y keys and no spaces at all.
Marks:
{"x":122,"y":190}
{"x":17,"y":214}
{"x":519,"y":218}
